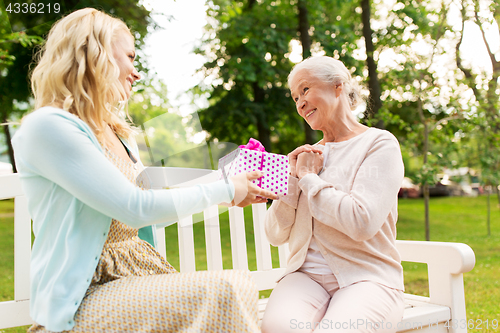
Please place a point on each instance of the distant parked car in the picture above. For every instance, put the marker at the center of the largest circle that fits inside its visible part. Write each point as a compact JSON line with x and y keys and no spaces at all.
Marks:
{"x":445,"y":187}
{"x":468,"y":190}
{"x":408,"y":189}
{"x":477,"y":188}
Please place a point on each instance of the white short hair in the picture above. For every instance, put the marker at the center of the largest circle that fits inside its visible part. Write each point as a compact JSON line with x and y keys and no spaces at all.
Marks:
{"x":332,"y":71}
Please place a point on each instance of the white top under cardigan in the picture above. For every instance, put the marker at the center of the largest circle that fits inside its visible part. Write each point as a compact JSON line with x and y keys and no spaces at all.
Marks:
{"x":315,"y":263}
{"x":350,"y":207}
{"x":73,"y":191}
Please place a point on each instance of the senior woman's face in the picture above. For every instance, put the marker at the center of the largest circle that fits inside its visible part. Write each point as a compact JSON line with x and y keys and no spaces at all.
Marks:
{"x":124,"y":54}
{"x":315,"y":100}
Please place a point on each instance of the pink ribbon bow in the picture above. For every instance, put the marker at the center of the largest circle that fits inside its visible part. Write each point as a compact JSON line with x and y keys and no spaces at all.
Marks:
{"x":256,"y":145}
{"x":253,"y":145}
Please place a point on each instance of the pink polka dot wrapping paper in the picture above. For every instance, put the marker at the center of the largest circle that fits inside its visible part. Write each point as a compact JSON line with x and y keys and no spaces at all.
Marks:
{"x":275,"y":168}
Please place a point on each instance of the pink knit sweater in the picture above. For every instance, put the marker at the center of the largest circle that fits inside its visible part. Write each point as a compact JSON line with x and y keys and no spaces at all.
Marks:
{"x":351,"y":207}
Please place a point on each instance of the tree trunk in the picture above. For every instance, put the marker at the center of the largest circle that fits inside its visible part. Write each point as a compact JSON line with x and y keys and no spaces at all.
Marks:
{"x":498,"y":194}
{"x":305,"y":40}
{"x":426,"y":204}
{"x":374,"y":102}
{"x":488,"y":219}
{"x":8,"y":139}
{"x":250,"y":4}
{"x":264,"y":136}
{"x":262,"y":127}
{"x":491,"y":106}
{"x":425,"y":182}
{"x":426,"y":186}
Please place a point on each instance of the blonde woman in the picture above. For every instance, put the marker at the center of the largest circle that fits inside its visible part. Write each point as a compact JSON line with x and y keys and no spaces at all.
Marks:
{"x":344,"y":272}
{"x":78,"y":164}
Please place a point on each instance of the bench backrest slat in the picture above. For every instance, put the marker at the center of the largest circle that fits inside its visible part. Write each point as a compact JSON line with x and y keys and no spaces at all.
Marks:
{"x":11,"y":188}
{"x":262,"y":246}
{"x":212,"y":238}
{"x":22,"y":248}
{"x":161,"y":245}
{"x":186,"y":245}
{"x":238,"y":238}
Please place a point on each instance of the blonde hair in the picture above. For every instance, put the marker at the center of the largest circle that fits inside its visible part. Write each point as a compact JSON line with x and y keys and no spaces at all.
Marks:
{"x":332,"y":71}
{"x":77,"y":71}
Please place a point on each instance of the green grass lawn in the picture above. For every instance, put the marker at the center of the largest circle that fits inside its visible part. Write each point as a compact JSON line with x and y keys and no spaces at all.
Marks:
{"x":453,"y":219}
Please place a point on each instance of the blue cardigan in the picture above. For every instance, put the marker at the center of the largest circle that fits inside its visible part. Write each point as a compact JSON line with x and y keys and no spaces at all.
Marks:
{"x":73,"y":191}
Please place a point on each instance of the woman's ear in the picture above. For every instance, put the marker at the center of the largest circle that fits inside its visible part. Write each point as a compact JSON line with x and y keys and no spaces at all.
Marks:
{"x":338,"y":89}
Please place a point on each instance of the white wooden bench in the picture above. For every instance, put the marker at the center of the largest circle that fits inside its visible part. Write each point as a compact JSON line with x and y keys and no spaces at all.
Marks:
{"x":443,"y":311}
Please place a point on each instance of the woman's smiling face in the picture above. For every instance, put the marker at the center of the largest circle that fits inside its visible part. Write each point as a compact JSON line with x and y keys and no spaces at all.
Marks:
{"x":124,"y":54}
{"x":316,"y":101}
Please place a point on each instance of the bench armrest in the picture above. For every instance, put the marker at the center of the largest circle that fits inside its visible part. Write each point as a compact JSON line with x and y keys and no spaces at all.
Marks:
{"x":446,"y":263}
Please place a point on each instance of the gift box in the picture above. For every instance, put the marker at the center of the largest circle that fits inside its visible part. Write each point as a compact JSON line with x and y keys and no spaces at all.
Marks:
{"x":253,"y":156}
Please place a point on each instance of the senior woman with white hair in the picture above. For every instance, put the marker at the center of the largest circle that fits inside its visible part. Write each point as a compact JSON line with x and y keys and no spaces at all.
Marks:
{"x":339,"y":218}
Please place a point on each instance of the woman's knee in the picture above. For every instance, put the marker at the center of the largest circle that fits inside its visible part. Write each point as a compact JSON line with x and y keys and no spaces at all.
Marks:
{"x":365,"y":307}
{"x":296,"y":305}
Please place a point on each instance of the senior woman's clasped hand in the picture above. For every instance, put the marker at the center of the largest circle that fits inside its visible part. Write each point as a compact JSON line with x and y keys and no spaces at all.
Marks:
{"x":305,"y":159}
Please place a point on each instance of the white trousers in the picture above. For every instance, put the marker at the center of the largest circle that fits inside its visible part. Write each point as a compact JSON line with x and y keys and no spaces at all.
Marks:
{"x":305,"y":302}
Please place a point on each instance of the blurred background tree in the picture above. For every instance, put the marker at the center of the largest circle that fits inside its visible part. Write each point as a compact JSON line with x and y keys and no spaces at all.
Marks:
{"x":485,"y":85}
{"x":248,"y":46}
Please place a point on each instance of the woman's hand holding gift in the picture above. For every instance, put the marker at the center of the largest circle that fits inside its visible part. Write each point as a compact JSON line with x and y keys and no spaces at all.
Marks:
{"x":246,"y":192}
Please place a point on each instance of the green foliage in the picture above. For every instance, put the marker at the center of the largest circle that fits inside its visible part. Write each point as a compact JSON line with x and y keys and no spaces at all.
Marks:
{"x":485,"y":85}
{"x":13,"y":46}
{"x":422,"y":108}
{"x":337,"y":30}
{"x":148,"y":102}
{"x":22,"y":38}
{"x":248,"y":44}
{"x":427,"y":174}
{"x":247,"y":49}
